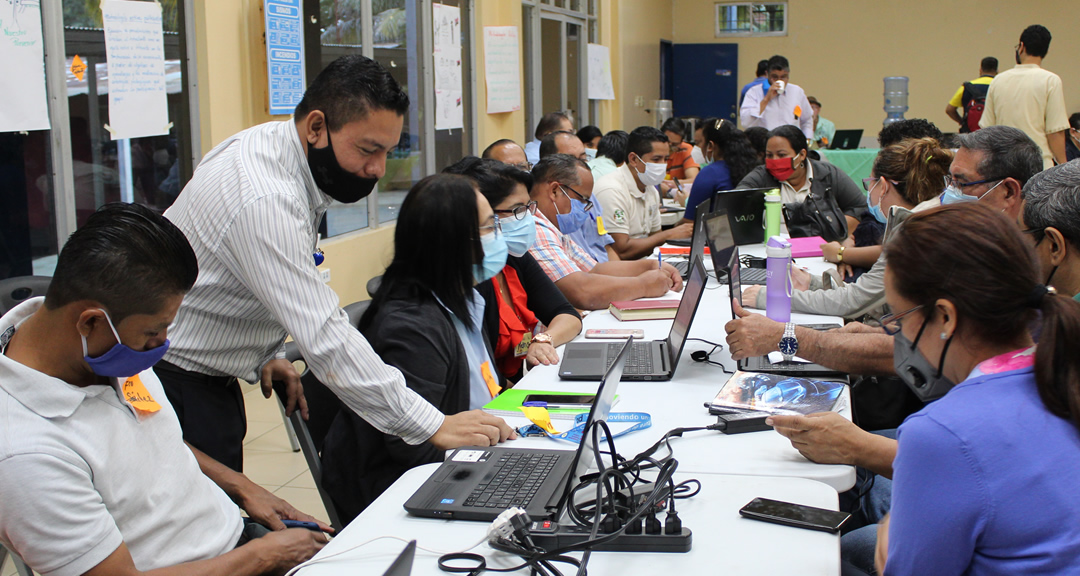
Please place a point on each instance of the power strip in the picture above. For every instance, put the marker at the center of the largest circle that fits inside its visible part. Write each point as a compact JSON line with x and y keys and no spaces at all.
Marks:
{"x":549,"y":536}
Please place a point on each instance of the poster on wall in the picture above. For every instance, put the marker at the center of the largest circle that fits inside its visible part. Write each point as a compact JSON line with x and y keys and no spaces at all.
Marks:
{"x":284,"y":55}
{"x":135,"y":51}
{"x":502,"y":69}
{"x":600,"y":85}
{"x":22,"y":85}
{"x":446,"y":27}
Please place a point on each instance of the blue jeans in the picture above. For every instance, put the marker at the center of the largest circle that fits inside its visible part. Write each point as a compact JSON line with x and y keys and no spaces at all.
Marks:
{"x":858,"y":545}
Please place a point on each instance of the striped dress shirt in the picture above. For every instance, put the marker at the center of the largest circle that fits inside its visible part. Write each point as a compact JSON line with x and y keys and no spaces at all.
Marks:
{"x":252,"y":213}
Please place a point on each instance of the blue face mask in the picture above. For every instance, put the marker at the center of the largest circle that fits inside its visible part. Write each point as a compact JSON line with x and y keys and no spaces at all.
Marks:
{"x":591,"y":152}
{"x":121,"y":361}
{"x":954,"y":195}
{"x":494,"y":257}
{"x":875,"y":210}
{"x":519,"y":234}
{"x":572,"y":222}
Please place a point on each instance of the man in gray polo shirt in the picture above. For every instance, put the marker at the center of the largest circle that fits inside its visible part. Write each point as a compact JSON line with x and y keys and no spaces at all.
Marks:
{"x":95,"y":477}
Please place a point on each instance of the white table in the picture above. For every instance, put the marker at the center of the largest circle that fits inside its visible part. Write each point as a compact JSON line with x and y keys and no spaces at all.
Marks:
{"x":680,"y":402}
{"x":723,"y":541}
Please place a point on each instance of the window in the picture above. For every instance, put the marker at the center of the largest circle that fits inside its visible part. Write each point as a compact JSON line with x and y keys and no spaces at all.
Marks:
{"x":749,"y":19}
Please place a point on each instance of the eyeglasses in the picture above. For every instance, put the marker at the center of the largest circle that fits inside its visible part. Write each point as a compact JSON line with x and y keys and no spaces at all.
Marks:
{"x":588,"y":202}
{"x":524,"y":166}
{"x":950,"y":181}
{"x":520,"y":211}
{"x":495,"y":226}
{"x":891,"y":323}
{"x":868,"y":183}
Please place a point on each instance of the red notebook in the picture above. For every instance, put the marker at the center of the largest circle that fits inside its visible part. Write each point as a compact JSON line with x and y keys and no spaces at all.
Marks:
{"x":678,"y":250}
{"x":626,"y":310}
{"x":805,"y":247}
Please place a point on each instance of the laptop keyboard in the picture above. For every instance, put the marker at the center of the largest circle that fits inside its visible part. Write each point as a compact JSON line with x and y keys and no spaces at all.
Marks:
{"x":639,"y":362}
{"x":752,"y":275}
{"x":518,"y":476}
{"x":682,"y":266}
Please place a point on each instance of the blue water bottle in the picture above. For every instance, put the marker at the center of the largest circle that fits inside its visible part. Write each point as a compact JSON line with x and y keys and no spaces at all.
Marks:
{"x":778,"y":279}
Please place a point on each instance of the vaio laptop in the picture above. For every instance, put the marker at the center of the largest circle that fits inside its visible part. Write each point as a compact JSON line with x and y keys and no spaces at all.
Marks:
{"x":745,"y":208}
{"x":652,"y":360}
{"x":402,"y":566}
{"x":697,"y":244}
{"x":846,"y":140}
{"x":479,"y":483}
{"x":762,"y":363}
{"x":721,"y":243}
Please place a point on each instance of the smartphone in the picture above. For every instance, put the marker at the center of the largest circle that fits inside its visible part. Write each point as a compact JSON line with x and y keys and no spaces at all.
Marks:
{"x":620,"y":333}
{"x":562,"y":400}
{"x":795,"y":515}
{"x":301,"y":524}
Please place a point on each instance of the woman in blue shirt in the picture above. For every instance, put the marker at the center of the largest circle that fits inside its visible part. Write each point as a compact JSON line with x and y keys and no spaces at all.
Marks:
{"x":731,"y":157}
{"x":984,"y":479}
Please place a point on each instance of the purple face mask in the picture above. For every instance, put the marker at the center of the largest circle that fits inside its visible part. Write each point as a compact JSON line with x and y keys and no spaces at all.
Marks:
{"x":121,"y":361}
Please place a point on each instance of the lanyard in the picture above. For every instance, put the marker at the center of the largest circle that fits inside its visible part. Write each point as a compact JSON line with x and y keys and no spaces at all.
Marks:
{"x":642,"y":421}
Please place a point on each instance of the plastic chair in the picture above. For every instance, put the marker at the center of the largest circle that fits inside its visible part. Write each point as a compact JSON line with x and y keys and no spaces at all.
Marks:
{"x":323,"y":407}
{"x":14,"y":290}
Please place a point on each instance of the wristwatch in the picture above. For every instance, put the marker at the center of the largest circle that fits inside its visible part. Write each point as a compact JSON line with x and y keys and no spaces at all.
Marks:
{"x":789,"y":344}
{"x":543,"y":338}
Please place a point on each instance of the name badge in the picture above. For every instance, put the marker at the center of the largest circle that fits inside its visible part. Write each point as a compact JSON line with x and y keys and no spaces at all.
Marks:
{"x":523,"y":347}
{"x":137,"y":395}
{"x":600,"y":226}
{"x":489,"y":379}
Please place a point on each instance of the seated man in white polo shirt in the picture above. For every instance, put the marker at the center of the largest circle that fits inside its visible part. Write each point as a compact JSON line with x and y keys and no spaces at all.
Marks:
{"x":95,"y":477}
{"x":631,"y":202}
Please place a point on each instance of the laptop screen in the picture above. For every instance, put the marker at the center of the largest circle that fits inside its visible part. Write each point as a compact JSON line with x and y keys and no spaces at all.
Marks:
{"x":746,"y":209}
{"x":720,"y":239}
{"x":695,"y":286}
{"x":697,"y":244}
{"x":735,"y":282}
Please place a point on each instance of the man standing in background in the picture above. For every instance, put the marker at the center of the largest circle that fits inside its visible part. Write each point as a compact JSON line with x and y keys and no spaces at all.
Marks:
{"x":783,"y":103}
{"x":971,"y":97}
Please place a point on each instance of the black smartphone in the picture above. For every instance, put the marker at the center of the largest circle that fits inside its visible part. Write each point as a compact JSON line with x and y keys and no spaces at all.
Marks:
{"x":795,"y":515}
{"x":301,"y":524}
{"x":562,"y":400}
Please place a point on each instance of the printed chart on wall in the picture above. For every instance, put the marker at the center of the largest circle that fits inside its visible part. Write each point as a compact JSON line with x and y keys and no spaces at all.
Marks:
{"x":135,"y":50}
{"x":284,"y":55}
{"x":502,"y":69}
{"x":446,"y":27}
{"x":22,"y":85}
{"x":600,"y":85}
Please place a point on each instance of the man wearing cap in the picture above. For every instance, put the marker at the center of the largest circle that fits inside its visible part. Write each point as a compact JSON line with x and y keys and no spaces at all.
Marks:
{"x":824,"y":129}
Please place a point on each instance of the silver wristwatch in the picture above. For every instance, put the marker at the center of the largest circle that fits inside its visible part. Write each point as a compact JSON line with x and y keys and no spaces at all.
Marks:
{"x":789,"y":344}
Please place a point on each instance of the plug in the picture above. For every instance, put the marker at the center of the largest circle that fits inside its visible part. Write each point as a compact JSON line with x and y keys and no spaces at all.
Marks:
{"x":610,"y":524}
{"x":507,"y":523}
{"x":652,"y":525}
{"x":633,"y":527}
{"x":672,"y":525}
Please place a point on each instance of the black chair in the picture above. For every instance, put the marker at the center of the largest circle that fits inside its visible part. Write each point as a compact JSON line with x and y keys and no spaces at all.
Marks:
{"x":373,"y":285}
{"x":323,"y":407}
{"x":14,"y":290}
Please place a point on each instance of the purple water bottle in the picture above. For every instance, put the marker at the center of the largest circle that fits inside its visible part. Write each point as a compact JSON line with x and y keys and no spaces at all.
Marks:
{"x":778,"y":279}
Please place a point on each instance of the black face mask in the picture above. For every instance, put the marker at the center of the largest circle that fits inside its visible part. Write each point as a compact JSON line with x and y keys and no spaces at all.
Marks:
{"x":335,"y":181}
{"x":928,"y":384}
{"x":1018,"y":56}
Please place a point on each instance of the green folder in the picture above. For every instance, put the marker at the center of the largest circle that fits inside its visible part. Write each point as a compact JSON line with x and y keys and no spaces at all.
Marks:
{"x":509,"y":403}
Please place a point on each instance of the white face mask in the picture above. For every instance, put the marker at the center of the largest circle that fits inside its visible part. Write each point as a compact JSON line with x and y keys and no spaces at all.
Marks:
{"x":654,"y":173}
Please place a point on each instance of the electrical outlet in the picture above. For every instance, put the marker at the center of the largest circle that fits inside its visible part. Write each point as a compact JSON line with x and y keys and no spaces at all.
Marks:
{"x":324,"y":275}
{"x":639,"y":101}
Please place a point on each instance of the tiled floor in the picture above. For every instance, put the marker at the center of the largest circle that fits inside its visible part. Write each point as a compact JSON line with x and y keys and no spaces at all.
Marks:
{"x":269,"y":460}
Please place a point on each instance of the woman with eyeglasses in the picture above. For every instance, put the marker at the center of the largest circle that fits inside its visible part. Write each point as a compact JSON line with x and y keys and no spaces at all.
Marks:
{"x":730,"y":158}
{"x":426,"y":320}
{"x":905,"y":175}
{"x":526,"y":315}
{"x":984,"y":479}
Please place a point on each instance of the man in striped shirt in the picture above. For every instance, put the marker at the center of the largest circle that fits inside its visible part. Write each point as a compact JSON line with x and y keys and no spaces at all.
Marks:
{"x":562,"y":190}
{"x":252,"y":213}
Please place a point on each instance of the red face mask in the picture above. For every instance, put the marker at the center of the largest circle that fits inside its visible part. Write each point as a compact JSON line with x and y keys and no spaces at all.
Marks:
{"x":780,"y":168}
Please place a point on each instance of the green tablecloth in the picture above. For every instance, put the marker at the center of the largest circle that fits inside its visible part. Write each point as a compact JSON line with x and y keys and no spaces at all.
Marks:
{"x":855,"y":163}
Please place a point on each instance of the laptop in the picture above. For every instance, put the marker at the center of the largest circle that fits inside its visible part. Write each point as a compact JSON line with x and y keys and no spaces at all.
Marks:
{"x":480,"y":483}
{"x":762,"y":363}
{"x":846,"y":140}
{"x":697,"y":244}
{"x":652,"y":360}
{"x":402,"y":566}
{"x":745,"y":208}
{"x":721,"y":243}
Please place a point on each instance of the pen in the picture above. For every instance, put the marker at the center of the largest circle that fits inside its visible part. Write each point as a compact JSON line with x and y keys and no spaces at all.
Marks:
{"x":661,"y":262}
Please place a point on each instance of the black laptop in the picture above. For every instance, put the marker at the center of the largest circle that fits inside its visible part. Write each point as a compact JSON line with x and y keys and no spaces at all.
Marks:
{"x":846,"y":140}
{"x":697,"y":244}
{"x":402,"y":566}
{"x":746,"y":210}
{"x":479,"y":483}
{"x":652,"y":360}
{"x":762,"y":363}
{"x":721,"y":243}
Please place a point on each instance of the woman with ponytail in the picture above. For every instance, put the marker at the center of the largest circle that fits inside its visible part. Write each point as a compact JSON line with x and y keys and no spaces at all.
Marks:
{"x":984,"y":478}
{"x":730,"y":158}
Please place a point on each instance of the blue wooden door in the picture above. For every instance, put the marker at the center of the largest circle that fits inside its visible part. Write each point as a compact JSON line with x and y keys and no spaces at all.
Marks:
{"x":706,"y":80}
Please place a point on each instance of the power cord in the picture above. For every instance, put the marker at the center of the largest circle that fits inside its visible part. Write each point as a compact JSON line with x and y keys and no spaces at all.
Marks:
{"x":703,"y":356}
{"x":339,"y":553}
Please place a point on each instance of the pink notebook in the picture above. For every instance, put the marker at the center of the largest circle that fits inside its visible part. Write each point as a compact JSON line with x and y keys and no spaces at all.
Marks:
{"x":805,"y":247}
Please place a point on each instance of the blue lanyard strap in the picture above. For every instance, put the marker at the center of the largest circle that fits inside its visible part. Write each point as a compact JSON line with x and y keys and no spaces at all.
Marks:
{"x":643,"y":420}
